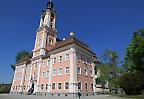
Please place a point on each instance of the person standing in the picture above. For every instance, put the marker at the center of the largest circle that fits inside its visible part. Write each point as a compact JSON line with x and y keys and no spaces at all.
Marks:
{"x":79,"y":95}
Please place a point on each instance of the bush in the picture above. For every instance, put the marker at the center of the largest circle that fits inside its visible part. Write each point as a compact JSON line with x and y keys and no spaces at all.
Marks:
{"x":132,"y":83}
{"x":5,"y":88}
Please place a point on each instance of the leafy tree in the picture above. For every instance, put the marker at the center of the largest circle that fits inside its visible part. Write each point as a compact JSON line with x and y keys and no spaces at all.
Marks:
{"x":134,"y":59}
{"x":109,"y":56}
{"x":132,"y":82}
{"x":22,"y":56}
{"x":108,"y":69}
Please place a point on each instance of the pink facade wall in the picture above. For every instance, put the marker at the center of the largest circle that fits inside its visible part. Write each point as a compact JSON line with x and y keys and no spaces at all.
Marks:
{"x":43,"y":80}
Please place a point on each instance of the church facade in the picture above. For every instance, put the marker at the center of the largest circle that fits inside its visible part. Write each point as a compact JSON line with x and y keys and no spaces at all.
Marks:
{"x":57,"y":66}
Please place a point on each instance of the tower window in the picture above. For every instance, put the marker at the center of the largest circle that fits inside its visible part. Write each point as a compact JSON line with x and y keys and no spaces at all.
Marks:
{"x":49,"y":6}
{"x":43,"y":74}
{"x":50,"y":42}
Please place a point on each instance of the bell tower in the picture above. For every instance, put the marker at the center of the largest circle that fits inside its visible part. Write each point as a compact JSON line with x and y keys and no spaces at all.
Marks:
{"x":46,"y":33}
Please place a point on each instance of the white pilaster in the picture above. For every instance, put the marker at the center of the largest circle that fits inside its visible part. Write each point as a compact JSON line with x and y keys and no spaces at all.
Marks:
{"x":47,"y":19}
{"x":94,"y":82}
{"x":13,"y":79}
{"x":50,"y":73}
{"x":41,"y":23}
{"x":54,"y":23}
{"x":44,"y":38}
{"x":38,"y":77}
{"x":22,"y":79}
{"x":30,"y":77}
{"x":73,"y":73}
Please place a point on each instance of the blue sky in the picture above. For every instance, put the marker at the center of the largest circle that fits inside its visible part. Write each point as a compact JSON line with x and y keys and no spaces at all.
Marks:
{"x":102,"y":24}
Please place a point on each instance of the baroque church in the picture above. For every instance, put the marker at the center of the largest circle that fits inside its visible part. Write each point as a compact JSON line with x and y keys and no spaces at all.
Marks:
{"x":62,"y":67}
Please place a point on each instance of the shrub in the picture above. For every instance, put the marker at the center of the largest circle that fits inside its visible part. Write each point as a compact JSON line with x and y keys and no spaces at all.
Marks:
{"x":132,"y":83}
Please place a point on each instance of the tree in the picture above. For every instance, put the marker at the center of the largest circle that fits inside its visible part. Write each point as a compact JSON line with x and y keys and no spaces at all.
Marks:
{"x":134,"y":59}
{"x":109,"y":56}
{"x":132,"y":81}
{"x":108,"y":69}
{"x":22,"y":56}
{"x":5,"y":88}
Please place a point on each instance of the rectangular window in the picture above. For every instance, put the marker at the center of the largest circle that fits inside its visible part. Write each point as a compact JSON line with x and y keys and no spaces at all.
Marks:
{"x":67,"y":57}
{"x":60,"y":59}
{"x":91,"y":73}
{"x":43,"y":74}
{"x":54,"y":72}
{"x":16,"y":87}
{"x":86,"y":73}
{"x":79,"y":70}
{"x":53,"y":85}
{"x":24,"y":87}
{"x":48,"y":63}
{"x":92,"y":86}
{"x":47,"y":74}
{"x":86,"y":86}
{"x":42,"y":86}
{"x":67,"y":70}
{"x":54,"y":60}
{"x":79,"y":85}
{"x":46,"y":86}
{"x":59,"y":85}
{"x":44,"y":63}
{"x":79,"y":57}
{"x":66,"y":85}
{"x":60,"y":71}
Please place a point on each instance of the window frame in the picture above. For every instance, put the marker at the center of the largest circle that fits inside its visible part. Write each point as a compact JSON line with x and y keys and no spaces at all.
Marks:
{"x":60,"y":71}
{"x":59,"y":86}
{"x":67,"y":70}
{"x":79,"y":71}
